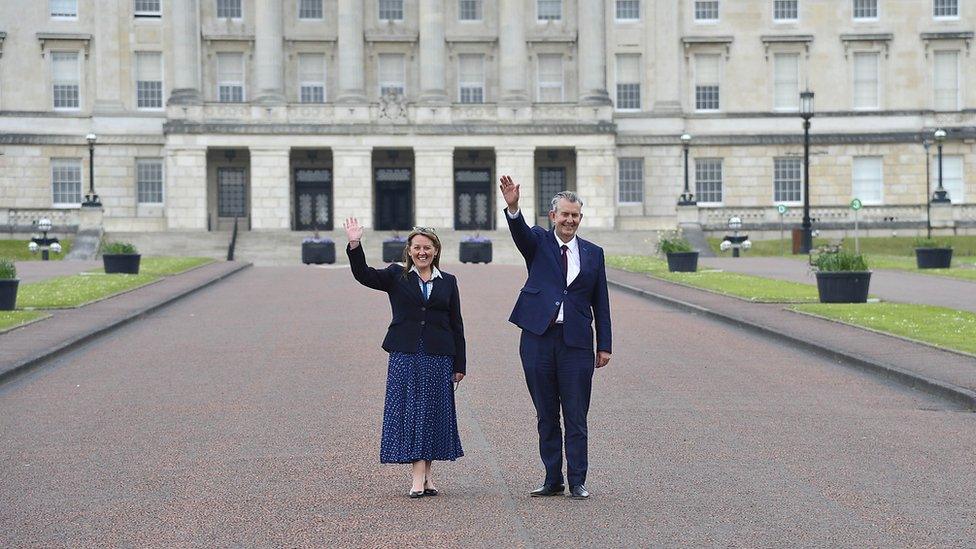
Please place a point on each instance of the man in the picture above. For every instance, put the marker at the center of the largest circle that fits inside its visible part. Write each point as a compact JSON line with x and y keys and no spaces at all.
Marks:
{"x":566,"y":290}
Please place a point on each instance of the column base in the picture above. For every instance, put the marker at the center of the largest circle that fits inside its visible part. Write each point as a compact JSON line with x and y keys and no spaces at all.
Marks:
{"x":941,"y":215}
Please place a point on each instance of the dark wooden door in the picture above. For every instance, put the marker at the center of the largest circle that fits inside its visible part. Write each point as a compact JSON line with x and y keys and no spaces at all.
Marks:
{"x":394,"y":193}
{"x":313,"y":199}
{"x":472,"y":199}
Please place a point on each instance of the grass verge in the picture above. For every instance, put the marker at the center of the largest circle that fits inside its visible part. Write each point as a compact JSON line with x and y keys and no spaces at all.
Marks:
{"x":963,"y":246}
{"x":962,"y":266}
{"x":751,"y":288}
{"x":65,"y":292}
{"x":937,"y":326}
{"x":169,"y":266}
{"x":17,"y":250}
{"x":12,"y":319}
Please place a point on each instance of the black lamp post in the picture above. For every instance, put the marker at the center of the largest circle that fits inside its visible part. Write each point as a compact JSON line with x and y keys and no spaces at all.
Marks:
{"x":806,"y":112}
{"x":687,"y":198}
{"x":91,"y":199}
{"x":940,"y":195}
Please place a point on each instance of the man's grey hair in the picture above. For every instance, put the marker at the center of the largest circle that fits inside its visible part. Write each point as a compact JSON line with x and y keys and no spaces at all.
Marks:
{"x":569,"y":196}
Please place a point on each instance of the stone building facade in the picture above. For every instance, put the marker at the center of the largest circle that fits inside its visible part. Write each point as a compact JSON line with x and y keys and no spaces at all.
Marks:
{"x":292,"y":114}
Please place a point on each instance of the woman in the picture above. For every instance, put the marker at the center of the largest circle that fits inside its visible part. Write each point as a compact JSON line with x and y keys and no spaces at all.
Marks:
{"x":426,"y":346}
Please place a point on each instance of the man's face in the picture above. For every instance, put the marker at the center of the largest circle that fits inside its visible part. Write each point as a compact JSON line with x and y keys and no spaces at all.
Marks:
{"x":566,"y":219}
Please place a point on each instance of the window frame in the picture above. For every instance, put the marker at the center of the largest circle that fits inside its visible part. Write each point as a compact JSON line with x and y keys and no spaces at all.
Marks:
{"x":721,"y":181}
{"x":57,"y":162}
{"x":616,"y":12}
{"x":77,"y":81}
{"x":796,"y":95}
{"x":538,"y":78}
{"x":321,"y":11}
{"x":381,"y":84}
{"x":945,"y":17}
{"x":799,"y":180}
{"x":958,"y":75}
{"x":695,"y":84}
{"x":240,"y":10}
{"x":162,"y":83}
{"x":854,"y":180}
{"x":878,"y":86}
{"x":229,"y":83}
{"x":303,"y":83}
{"x":60,"y":17}
{"x":718,"y":12}
{"x":380,"y":8}
{"x":638,"y":162}
{"x":461,"y":83}
{"x":538,"y":12}
{"x":856,"y":19}
{"x":934,"y":166}
{"x":479,"y":11}
{"x":141,"y":161}
{"x":617,"y":83}
{"x":783,"y":20}
{"x":144,"y":14}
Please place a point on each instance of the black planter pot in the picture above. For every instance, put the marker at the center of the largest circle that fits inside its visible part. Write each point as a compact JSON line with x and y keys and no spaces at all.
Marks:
{"x":121,"y":263}
{"x":318,"y":252}
{"x":843,"y":286}
{"x":933,"y":258}
{"x":8,"y":293}
{"x":683,"y":262}
{"x":393,"y":250}
{"x":475,"y":252}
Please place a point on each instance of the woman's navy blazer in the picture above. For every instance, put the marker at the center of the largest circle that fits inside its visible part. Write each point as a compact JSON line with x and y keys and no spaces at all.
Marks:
{"x":437,"y":320}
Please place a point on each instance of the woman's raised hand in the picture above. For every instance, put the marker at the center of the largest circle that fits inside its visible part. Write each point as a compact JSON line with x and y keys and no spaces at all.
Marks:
{"x":354,"y":231}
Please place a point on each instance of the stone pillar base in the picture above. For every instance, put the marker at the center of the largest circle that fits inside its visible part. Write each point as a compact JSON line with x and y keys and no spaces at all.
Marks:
{"x":941,"y":215}
{"x":688,"y":215}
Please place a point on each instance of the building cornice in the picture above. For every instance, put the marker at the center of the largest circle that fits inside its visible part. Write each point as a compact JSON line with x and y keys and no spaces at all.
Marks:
{"x":882,"y":38}
{"x":794,"y":139}
{"x":197,"y":128}
{"x":79,"y":140}
{"x":84,"y":38}
{"x":691,"y":41}
{"x":770,"y":39}
{"x":929,"y":37}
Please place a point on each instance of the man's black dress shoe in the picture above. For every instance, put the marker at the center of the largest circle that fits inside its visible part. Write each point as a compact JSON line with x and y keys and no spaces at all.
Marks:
{"x":547,"y":490}
{"x":578,"y":492}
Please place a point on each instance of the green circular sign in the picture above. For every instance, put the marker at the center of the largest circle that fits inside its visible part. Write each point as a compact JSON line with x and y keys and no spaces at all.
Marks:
{"x":781,"y":209}
{"x":856,"y":204}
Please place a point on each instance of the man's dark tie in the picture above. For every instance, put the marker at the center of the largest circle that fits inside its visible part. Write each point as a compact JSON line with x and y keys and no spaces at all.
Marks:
{"x":565,"y":249}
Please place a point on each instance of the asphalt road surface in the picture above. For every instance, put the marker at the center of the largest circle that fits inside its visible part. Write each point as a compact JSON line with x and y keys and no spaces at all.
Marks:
{"x":249,"y":414}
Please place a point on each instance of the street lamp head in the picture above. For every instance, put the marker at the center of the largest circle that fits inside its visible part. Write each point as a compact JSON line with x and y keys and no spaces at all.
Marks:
{"x":735,"y":223}
{"x":806,"y":104}
{"x":44,"y":224}
{"x":56,"y":248}
{"x":725,"y":246}
{"x":32,"y":247}
{"x":685,"y":140}
{"x":940,"y":135}
{"x":746,"y":244}
{"x":91,"y":137}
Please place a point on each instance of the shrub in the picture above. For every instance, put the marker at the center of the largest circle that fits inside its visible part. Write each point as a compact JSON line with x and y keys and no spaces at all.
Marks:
{"x":931,"y":243}
{"x":112,"y":248}
{"x":840,"y":261}
{"x":671,"y":242}
{"x":7,"y":268}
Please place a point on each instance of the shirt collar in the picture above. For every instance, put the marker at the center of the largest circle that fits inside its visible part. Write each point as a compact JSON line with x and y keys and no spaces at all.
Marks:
{"x":573,"y":244}
{"x":434,"y":272}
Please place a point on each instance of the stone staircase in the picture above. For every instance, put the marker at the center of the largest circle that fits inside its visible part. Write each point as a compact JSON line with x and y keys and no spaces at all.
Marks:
{"x":268,"y":248}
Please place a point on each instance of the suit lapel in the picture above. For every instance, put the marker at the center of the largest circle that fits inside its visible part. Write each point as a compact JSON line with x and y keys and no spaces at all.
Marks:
{"x":412,"y":288}
{"x":585,"y":257}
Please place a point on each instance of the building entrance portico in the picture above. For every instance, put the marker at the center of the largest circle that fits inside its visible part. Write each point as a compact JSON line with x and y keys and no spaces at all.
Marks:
{"x":228,"y":189}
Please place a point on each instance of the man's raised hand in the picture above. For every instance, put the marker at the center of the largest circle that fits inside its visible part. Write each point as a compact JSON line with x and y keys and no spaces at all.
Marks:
{"x":354,"y":231}
{"x":510,"y":192}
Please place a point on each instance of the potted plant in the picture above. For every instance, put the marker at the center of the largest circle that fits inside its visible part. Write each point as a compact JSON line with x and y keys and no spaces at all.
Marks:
{"x":932,"y":254}
{"x":8,"y":284}
{"x":681,"y":257}
{"x":393,"y":248}
{"x":120,"y":257}
{"x":475,"y":249}
{"x":318,"y":250}
{"x":842,"y":277}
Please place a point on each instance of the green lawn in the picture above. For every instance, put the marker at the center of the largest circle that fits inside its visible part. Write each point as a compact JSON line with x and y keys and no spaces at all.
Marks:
{"x":12,"y":319}
{"x":939,"y":326}
{"x":963,"y":246}
{"x":168,"y":266}
{"x":17,"y":250}
{"x":963,"y":267}
{"x":73,"y":291}
{"x":752,"y":288}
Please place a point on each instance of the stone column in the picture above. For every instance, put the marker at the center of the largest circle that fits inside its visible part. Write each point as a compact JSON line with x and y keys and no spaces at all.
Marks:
{"x":352,"y":184}
{"x":351,"y":53}
{"x":518,"y":162}
{"x":592,"y":54}
{"x":106,"y":58}
{"x":667,"y":56}
{"x":513,"y":52}
{"x":186,"y":53}
{"x":186,"y":188}
{"x":434,"y":184}
{"x":269,"y":52}
{"x":595,"y":183}
{"x":270,"y":189}
{"x":432,"y":52}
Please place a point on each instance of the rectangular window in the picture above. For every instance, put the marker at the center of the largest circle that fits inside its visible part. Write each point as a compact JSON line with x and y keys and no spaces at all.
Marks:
{"x":785,"y":10}
{"x":708,"y":180}
{"x":469,"y":10}
{"x":65,"y":80}
{"x":866,"y":80}
{"x":706,"y":82}
{"x":550,"y":78}
{"x":149,"y":180}
{"x":391,"y":10}
{"x":392,"y":75}
{"x":628,"y":82}
{"x":865,"y":9}
{"x":64,"y":9}
{"x":787,"y":179}
{"x":628,"y":10}
{"x":149,"y":80}
{"x":786,"y":81}
{"x":630,"y":177}
{"x":706,"y":10}
{"x":66,"y":181}
{"x":230,"y":77}
{"x":952,"y":177}
{"x":549,"y":10}
{"x":945,"y":8}
{"x":867,"y":179}
{"x":471,"y":78}
{"x":229,"y":9}
{"x":946,"y":79}
{"x":311,"y":77}
{"x":147,"y":8}
{"x":310,"y":9}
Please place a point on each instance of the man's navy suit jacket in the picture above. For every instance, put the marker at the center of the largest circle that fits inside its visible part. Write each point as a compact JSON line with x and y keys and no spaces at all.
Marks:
{"x":586,"y":299}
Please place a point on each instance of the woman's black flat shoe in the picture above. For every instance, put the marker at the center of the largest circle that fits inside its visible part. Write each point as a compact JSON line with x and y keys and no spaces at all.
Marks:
{"x":430,"y":491}
{"x":417,"y":494}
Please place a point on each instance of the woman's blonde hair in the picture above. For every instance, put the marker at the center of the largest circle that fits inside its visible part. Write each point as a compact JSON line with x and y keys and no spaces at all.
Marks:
{"x":421,"y":231}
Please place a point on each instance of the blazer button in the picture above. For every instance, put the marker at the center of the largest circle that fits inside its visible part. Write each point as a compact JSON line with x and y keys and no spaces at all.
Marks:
{"x":423,"y":308}
{"x":423,"y":322}
{"x":557,"y":303}
{"x":565,"y":292}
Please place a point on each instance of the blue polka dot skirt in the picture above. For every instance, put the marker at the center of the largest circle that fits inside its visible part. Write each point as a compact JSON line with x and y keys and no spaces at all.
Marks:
{"x":419,"y":419}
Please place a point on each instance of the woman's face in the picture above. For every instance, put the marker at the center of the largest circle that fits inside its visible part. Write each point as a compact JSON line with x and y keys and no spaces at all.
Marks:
{"x":422,"y":251}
